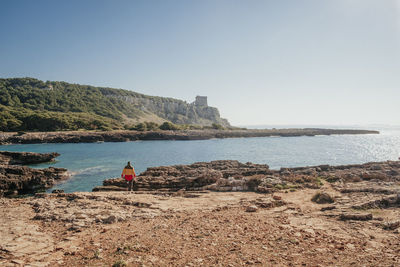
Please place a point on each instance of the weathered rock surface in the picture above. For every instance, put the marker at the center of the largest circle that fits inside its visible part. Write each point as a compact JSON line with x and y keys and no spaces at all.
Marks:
{"x":24,"y":158}
{"x":383,"y":203}
{"x":229,"y":175}
{"x":80,"y":210}
{"x":123,"y":136}
{"x":167,"y":229}
{"x":224,"y":175}
{"x":83,"y":209}
{"x":16,"y":179}
{"x":251,"y":208}
{"x":174,"y":110}
{"x":356,"y":216}
{"x":24,"y":180}
{"x":23,"y":242}
{"x":391,"y":225}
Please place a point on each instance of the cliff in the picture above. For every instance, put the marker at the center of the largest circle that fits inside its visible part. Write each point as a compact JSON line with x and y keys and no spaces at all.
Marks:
{"x":170,"y":109}
{"x":31,"y":104}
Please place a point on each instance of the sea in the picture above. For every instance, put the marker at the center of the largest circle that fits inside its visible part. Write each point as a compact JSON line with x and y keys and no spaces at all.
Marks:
{"x":91,"y":163}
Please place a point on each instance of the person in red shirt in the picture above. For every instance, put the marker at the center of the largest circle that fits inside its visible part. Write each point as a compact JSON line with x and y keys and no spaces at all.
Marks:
{"x":129,"y":173}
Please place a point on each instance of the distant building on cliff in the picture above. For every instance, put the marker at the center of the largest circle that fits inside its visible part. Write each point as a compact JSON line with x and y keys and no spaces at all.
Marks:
{"x":201,"y":101}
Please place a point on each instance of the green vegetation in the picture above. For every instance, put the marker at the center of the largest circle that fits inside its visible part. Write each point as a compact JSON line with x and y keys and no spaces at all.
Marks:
{"x":22,"y":119}
{"x":332,"y":179}
{"x":322,"y":198}
{"x":318,"y":181}
{"x":152,"y":126}
{"x":281,"y":186}
{"x":168,"y":126}
{"x":28,"y":104}
{"x":143,"y":126}
{"x":217,"y":126}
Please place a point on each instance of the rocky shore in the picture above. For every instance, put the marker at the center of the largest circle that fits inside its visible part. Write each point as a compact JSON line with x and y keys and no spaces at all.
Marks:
{"x":25,"y":158}
{"x":219,"y":213}
{"x":123,"y":136}
{"x":16,"y":179}
{"x":231,"y":175}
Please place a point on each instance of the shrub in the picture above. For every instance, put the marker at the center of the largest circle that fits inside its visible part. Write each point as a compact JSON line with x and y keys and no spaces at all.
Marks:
{"x":332,"y":179}
{"x":217,"y":126}
{"x":151,"y":126}
{"x":140,"y":127}
{"x":322,"y":198}
{"x":169,"y":126}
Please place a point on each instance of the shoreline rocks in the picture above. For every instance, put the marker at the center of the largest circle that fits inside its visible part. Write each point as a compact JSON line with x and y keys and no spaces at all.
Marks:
{"x":231,"y":175}
{"x":16,"y":179}
{"x":24,"y":158}
{"x":127,"y":135}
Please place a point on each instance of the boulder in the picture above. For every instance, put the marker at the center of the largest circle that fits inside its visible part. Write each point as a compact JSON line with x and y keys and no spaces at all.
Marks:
{"x":391,"y":225}
{"x":251,"y":208}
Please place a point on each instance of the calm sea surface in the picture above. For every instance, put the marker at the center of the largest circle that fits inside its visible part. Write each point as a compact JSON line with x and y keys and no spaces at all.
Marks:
{"x":91,"y":163}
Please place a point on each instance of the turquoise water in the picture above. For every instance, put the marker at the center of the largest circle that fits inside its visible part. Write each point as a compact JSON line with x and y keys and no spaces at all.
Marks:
{"x":91,"y":163}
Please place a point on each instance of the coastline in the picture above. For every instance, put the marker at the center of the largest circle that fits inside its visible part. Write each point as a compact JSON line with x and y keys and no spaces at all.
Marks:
{"x":129,"y":135}
{"x":232,"y":175}
{"x":329,"y":215}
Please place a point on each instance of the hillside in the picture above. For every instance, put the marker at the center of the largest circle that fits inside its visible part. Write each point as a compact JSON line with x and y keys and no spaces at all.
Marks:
{"x":32,"y":104}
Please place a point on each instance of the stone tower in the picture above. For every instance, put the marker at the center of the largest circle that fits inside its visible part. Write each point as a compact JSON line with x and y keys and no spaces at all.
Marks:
{"x":201,"y":101}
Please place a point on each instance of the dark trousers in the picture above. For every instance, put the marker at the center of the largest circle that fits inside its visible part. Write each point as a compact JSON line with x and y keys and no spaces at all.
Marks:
{"x":130,"y":185}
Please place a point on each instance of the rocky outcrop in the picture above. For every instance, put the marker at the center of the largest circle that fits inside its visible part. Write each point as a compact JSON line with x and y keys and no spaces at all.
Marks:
{"x":174,"y":110}
{"x":16,"y":179}
{"x":24,"y":158}
{"x":383,"y":203}
{"x":230,"y":175}
{"x":224,"y":175}
{"x":124,"y":136}
{"x":23,"y":180}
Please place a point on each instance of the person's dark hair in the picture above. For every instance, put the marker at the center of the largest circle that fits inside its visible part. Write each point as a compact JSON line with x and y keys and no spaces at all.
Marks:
{"x":128,"y":166}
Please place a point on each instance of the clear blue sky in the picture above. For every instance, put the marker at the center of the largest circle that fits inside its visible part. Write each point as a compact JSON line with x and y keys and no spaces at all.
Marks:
{"x":259,"y":62}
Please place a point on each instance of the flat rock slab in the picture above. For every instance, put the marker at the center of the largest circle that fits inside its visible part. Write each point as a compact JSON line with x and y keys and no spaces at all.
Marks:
{"x":22,"y":243}
{"x":355,"y":216}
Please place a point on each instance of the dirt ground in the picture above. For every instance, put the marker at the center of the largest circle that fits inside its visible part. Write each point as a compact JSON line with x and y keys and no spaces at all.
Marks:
{"x":194,"y":229}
